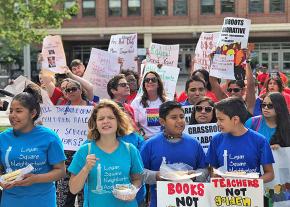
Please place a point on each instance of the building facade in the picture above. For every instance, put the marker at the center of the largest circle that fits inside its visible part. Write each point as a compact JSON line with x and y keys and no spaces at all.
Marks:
{"x":178,"y":22}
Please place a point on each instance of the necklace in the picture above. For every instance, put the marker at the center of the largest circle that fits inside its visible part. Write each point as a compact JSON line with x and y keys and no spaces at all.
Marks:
{"x":169,"y":137}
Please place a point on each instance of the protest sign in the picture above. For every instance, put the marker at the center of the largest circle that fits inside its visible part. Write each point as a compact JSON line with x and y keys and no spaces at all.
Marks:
{"x":205,"y":46}
{"x":236,"y":192}
{"x":232,"y":40}
{"x":53,"y":54}
{"x":222,"y":66}
{"x":187,"y":113}
{"x":101,"y":68}
{"x":203,"y":133}
{"x":278,"y":190}
{"x":125,"y":47}
{"x":163,"y":54}
{"x":20,"y":83}
{"x":168,"y":75}
{"x":69,"y":122}
{"x":188,"y":193}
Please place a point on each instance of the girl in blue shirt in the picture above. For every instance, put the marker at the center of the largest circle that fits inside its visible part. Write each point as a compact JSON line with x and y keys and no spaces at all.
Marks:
{"x":25,"y":144}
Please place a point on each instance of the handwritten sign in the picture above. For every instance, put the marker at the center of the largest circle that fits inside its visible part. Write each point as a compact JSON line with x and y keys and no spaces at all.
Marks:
{"x":69,"y":122}
{"x":203,"y":133}
{"x":278,"y":190}
{"x":205,"y":46}
{"x":187,"y":113}
{"x":222,"y":66}
{"x":125,"y":47}
{"x":236,"y":192}
{"x":101,"y":68}
{"x":53,"y":54}
{"x":168,"y":75}
{"x":163,"y":54}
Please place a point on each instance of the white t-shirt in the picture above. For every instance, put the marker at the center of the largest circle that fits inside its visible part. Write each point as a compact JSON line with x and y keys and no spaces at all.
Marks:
{"x":148,"y":118}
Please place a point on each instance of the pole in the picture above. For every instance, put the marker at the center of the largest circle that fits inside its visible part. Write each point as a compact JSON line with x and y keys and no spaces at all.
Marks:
{"x":26,"y":54}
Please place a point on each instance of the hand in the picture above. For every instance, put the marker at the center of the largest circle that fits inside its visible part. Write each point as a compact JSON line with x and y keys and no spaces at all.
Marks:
{"x":28,"y":180}
{"x":275,"y":146}
{"x":6,"y":185}
{"x":67,"y":71}
{"x":158,"y":178}
{"x":91,"y":162}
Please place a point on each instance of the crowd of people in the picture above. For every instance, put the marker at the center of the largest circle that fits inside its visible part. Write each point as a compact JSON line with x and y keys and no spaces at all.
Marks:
{"x":130,"y":135}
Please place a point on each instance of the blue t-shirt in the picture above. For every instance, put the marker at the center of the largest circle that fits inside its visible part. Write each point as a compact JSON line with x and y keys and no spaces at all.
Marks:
{"x":187,"y":150}
{"x":111,"y":169}
{"x":262,"y":127}
{"x":42,"y":148}
{"x":185,"y":103}
{"x":244,"y":153}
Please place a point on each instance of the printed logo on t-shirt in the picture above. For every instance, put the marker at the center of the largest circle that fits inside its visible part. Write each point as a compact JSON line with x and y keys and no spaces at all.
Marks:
{"x":152,"y":117}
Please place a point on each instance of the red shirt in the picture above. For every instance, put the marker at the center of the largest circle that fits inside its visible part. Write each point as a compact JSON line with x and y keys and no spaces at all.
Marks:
{"x":210,"y":94}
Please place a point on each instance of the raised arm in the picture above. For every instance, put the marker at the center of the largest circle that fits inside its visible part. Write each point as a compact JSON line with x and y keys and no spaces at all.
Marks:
{"x":250,"y":90}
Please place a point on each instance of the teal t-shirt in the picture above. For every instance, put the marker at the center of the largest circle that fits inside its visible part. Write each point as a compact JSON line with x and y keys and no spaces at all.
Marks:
{"x":42,"y":148}
{"x":111,"y":169}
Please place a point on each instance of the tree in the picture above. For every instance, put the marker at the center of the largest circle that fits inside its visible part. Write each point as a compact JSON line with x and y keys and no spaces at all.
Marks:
{"x":24,"y":21}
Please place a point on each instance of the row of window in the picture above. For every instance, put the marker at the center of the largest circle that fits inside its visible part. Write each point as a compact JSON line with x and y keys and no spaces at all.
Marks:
{"x":180,"y":7}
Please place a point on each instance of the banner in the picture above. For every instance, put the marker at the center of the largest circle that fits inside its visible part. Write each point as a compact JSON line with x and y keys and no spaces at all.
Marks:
{"x":168,"y":75}
{"x":205,"y":46}
{"x":203,"y":133}
{"x":69,"y":122}
{"x":278,"y":190}
{"x":232,"y":40}
{"x":187,"y":113}
{"x":53,"y":54}
{"x":101,"y":68}
{"x":125,"y":47}
{"x":166,"y":55}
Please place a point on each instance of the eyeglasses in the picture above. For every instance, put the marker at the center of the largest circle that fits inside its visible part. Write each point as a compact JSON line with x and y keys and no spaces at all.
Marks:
{"x":72,"y":89}
{"x":269,"y":105}
{"x":207,"y":109}
{"x":235,"y":90}
{"x":154,"y":80}
{"x":123,"y":85}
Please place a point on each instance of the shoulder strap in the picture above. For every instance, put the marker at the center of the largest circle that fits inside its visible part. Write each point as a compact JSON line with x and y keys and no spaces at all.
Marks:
{"x":256,"y":122}
{"x":129,"y":150}
{"x":89,"y":148}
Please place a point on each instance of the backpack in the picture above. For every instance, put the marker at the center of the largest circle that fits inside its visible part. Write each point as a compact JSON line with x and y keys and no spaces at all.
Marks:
{"x":256,"y":122}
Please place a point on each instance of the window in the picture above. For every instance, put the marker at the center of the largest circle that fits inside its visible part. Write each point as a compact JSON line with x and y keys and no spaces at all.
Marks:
{"x":286,"y":61}
{"x":89,"y":8}
{"x":228,"y":6}
{"x":69,"y":3}
{"x":277,"y":6}
{"x":134,"y":7}
{"x":180,"y":8}
{"x":207,"y":6}
{"x":160,"y":8}
{"x":256,"y":6}
{"x":115,"y":8}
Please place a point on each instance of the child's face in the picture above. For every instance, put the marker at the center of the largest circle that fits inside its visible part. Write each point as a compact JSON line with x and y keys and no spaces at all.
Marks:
{"x":225,"y":123}
{"x":174,"y":122}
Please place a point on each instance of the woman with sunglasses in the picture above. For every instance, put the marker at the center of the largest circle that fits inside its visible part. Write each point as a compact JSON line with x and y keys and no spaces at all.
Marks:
{"x":146,"y":107}
{"x":203,"y":112}
{"x":274,"y":122}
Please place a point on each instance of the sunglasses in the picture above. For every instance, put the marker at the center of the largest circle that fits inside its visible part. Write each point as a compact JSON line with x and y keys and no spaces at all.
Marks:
{"x":72,"y":89}
{"x":154,"y":80}
{"x":123,"y":85}
{"x":235,"y":90}
{"x":207,"y":109}
{"x":269,"y":106}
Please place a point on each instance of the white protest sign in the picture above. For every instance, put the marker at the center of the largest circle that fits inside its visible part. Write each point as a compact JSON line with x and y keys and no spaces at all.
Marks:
{"x":101,"y":68}
{"x":202,"y":133}
{"x":69,"y":122}
{"x":187,"y":113}
{"x":20,"y":83}
{"x":125,"y":47}
{"x":204,"y":47}
{"x":168,"y":75}
{"x":223,"y":67}
{"x":163,"y":54}
{"x":182,"y":194}
{"x":236,"y":192}
{"x":53,"y":54}
{"x":278,"y":190}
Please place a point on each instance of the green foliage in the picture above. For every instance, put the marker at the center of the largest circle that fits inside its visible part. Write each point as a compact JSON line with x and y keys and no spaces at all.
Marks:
{"x":25,"y":21}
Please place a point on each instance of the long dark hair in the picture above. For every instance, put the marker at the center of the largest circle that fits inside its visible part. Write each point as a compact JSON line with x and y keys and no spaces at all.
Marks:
{"x":282,"y":134}
{"x":277,"y":80}
{"x":160,"y":90}
{"x":211,"y":103}
{"x":205,"y":75}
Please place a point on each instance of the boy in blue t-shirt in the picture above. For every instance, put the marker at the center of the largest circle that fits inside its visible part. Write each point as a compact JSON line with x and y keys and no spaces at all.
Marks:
{"x":238,"y":148}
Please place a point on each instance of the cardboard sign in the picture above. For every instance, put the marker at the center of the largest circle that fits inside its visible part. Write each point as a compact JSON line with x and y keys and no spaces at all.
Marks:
{"x":187,"y":113}
{"x":125,"y":47}
{"x":53,"y":54}
{"x":69,"y":122}
{"x":222,"y":66}
{"x":203,"y":133}
{"x":101,"y":68}
{"x":163,"y":54}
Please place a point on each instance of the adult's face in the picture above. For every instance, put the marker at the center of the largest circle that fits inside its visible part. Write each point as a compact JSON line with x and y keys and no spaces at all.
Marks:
{"x":195,"y":91}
